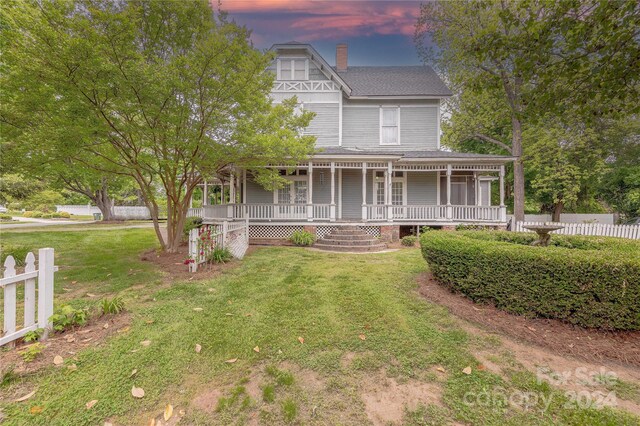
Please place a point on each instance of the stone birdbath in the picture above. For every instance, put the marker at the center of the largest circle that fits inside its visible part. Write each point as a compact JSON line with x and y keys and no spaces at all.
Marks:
{"x":544,"y":233}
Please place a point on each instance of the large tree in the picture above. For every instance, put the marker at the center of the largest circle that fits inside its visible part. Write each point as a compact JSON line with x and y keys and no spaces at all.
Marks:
{"x":162,"y":92}
{"x":526,"y":60}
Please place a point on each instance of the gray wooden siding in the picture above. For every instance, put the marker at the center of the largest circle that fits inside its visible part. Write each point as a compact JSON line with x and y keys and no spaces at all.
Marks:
{"x":257,"y":194}
{"x":351,"y":194}
{"x":325,"y":125}
{"x":322,"y":186}
{"x":419,"y":127}
{"x":422,"y":188}
{"x":361,"y":127}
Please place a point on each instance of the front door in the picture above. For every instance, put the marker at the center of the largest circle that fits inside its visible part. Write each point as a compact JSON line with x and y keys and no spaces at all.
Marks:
{"x":351,"y":194}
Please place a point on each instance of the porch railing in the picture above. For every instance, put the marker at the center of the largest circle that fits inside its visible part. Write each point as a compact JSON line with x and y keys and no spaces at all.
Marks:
{"x":372,"y":212}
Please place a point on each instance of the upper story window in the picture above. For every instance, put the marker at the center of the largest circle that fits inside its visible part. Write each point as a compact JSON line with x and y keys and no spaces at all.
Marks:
{"x":390,"y":126}
{"x":293,"y":69}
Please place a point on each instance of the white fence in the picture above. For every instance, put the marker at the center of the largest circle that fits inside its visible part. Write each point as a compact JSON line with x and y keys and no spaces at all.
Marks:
{"x":599,"y":229}
{"x":123,"y":212}
{"x":608,"y":218}
{"x":33,"y":320}
{"x":233,"y":236}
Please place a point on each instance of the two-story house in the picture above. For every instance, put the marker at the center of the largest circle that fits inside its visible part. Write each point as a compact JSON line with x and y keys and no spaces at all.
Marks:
{"x":378,"y":164}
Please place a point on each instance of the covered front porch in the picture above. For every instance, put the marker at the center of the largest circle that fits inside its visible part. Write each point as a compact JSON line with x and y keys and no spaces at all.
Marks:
{"x":365,"y":191}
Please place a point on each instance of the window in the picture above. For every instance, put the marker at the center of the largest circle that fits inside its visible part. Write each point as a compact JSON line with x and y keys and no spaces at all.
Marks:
{"x":293,"y":69}
{"x":389,"y":126}
{"x":295,"y":191}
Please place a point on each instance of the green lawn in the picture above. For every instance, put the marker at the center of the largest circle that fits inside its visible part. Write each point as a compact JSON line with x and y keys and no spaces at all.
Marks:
{"x":271,"y":298}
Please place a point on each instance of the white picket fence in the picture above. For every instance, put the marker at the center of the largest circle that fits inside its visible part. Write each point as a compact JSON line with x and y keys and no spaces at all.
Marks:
{"x":122,"y":212}
{"x":598,"y":229}
{"x":233,"y":235}
{"x":43,"y":275}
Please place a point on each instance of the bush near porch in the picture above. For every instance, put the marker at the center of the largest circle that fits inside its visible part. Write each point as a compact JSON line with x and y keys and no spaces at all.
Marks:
{"x":588,"y":281}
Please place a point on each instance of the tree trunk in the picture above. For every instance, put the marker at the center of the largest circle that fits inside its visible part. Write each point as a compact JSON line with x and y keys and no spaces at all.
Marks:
{"x":557,"y":210}
{"x":518,"y":170}
{"x":104,"y":203}
{"x":176,"y":216}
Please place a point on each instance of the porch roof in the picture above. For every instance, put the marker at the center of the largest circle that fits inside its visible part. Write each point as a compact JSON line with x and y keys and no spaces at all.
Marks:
{"x":409,"y":155}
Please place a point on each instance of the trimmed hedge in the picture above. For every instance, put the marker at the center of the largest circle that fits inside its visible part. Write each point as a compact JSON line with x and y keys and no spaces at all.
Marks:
{"x":588,"y":281}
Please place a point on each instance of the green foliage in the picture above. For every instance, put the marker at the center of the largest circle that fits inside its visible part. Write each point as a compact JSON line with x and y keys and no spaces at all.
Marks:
{"x":112,"y":306}
{"x":591,"y":282}
{"x":282,"y":377}
{"x":33,"y":335}
{"x":15,"y":188}
{"x":66,"y":317}
{"x":18,"y":251}
{"x":302,"y":238}
{"x":269,"y":393}
{"x":219,"y":255}
{"x":189,"y":224}
{"x":31,"y":352}
{"x":289,"y":410}
{"x":44,"y":201}
{"x":8,"y":375}
{"x":409,"y":240}
{"x":5,"y":217}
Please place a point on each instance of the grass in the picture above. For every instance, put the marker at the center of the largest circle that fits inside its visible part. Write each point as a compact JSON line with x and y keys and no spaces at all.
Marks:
{"x":273,"y":297}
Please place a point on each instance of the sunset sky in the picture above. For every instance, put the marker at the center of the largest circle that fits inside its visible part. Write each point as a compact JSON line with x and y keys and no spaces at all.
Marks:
{"x":377,"y":32}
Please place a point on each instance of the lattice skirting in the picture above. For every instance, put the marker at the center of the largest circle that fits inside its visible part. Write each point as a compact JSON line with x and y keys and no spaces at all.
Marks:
{"x":276,"y":232}
{"x":322,"y":231}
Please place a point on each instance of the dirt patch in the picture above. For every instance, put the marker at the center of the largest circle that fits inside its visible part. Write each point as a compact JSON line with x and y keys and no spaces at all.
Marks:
{"x":174,"y":267}
{"x":557,"y":336}
{"x":385,"y":399}
{"x":66,"y":345}
{"x":207,"y":400}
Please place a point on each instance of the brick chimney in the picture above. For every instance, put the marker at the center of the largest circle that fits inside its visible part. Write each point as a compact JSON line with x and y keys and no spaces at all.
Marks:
{"x":341,"y":57}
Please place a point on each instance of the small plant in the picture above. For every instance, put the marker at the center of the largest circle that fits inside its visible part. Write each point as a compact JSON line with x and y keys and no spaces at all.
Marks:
{"x":31,"y":352}
{"x":269,"y":393}
{"x":5,"y":217}
{"x":8,"y":376}
{"x":190,"y":223}
{"x":112,"y":306}
{"x":67,"y":316}
{"x":219,"y":255}
{"x":33,"y":335}
{"x":425,"y":229}
{"x":283,"y":378}
{"x":409,"y":240}
{"x":18,"y":252}
{"x":302,"y":238}
{"x":290,"y":410}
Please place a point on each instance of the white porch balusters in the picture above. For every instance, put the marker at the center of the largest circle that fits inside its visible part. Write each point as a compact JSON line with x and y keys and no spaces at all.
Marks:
{"x":310,"y":192}
{"x":332,"y":207}
{"x":364,"y":192}
{"x":449,"y":207}
{"x":503,"y":208}
{"x":388,"y":188}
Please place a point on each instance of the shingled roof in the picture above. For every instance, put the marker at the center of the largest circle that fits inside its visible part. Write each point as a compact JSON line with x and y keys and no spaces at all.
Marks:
{"x":418,"y":80}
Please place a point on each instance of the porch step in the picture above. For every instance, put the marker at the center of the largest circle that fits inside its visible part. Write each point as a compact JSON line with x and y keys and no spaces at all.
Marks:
{"x":349,"y":238}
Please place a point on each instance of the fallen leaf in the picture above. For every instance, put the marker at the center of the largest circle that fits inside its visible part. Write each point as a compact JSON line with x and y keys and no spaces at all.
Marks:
{"x":108,"y":275}
{"x":168,"y":412}
{"x":91,"y":403}
{"x":256,"y":349}
{"x":367,"y":326}
{"x":248,"y":315}
{"x":123,"y":329}
{"x":198,"y":348}
{"x":72,"y":367}
{"x":88,"y":339}
{"x":440,"y":369}
{"x":106,"y":325}
{"x":66,"y":289}
{"x":91,"y":295}
{"x":133,"y":372}
{"x":36,"y":409}
{"x":467,"y":370}
{"x":58,"y":360}
{"x":531,"y":328}
{"x":65,"y":278}
{"x":212,"y":289}
{"x":197,"y":309}
{"x":182,"y":413}
{"x":27,"y":396}
{"x":145,"y":343}
{"x":229,"y":314}
{"x":133,"y":351}
{"x":362,"y":337}
{"x":137,"y":392}
{"x":231,"y":361}
{"x":74,"y":282}
{"x":481,"y":367}
{"x":150,"y":321}
{"x":300,"y":339}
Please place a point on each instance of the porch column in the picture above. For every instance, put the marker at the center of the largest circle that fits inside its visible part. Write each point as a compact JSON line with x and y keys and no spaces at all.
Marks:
{"x":232,"y":195}
{"x":310,"y":192}
{"x":388,"y":189}
{"x":364,"y":191}
{"x":449,"y":207}
{"x":476,"y":188}
{"x":205,"y":194}
{"x":332,"y":207}
{"x":244,"y":194}
{"x":503,"y":208}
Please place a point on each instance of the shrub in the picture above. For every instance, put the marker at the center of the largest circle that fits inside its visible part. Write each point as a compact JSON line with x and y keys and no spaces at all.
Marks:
{"x":33,"y":335}
{"x":591,"y":282}
{"x":409,"y":240}
{"x":63,"y":215}
{"x":18,"y":252}
{"x":302,"y":238}
{"x":37,"y":214}
{"x":190,"y":223}
{"x":4,"y":216}
{"x":112,"y":306}
{"x":47,"y":215}
{"x":44,"y":201}
{"x":31,"y":352}
{"x":27,"y":214}
{"x":219,"y":255}
{"x":66,"y":317}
